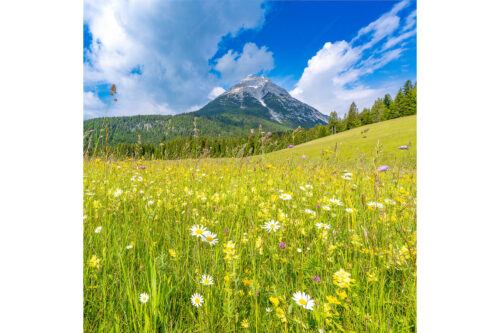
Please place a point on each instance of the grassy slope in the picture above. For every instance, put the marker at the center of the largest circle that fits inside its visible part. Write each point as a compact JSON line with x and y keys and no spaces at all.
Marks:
{"x":352,"y":148}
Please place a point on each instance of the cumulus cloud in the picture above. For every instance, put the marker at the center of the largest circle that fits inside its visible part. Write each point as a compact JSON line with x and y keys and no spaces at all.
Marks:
{"x":158,"y":53}
{"x":92,"y":104}
{"x":233,"y":66}
{"x":216,"y":92}
{"x":331,"y":79}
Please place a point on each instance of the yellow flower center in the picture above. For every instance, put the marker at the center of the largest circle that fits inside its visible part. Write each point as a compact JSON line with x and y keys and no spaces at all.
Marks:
{"x":303,"y":302}
{"x":210,"y":238}
{"x":197,"y":300}
{"x":272,"y":226}
{"x":199,"y":232}
{"x":144,"y":299}
{"x":207,"y":281}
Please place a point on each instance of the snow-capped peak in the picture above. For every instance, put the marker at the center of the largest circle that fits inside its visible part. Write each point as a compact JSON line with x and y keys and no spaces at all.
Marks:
{"x":281,"y":106}
{"x":257,"y":86}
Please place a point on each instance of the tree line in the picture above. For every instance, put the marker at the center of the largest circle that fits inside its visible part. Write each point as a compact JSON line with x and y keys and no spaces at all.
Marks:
{"x":259,"y":142}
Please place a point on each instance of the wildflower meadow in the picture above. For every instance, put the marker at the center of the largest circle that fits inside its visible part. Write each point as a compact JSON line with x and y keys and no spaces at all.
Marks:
{"x":319,"y":237}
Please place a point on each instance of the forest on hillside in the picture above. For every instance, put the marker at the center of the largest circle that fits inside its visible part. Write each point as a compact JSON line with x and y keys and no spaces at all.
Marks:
{"x":255,"y":141}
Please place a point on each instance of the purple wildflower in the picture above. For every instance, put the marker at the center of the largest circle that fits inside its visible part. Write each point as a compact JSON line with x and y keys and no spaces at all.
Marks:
{"x":225,"y":230}
{"x":142,"y":167}
{"x":291,"y":146}
{"x":383,"y":168}
{"x":403,"y":147}
{"x":283,"y":245}
{"x":304,"y":157}
{"x":318,"y":205}
{"x":316,"y":278}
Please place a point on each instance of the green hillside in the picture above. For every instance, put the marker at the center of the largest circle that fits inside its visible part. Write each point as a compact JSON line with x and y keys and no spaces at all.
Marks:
{"x":158,"y":128}
{"x":357,"y":146}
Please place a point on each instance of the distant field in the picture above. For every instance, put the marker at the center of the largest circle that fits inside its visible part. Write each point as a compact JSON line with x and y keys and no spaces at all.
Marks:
{"x":314,"y":219}
{"x":353,"y":145}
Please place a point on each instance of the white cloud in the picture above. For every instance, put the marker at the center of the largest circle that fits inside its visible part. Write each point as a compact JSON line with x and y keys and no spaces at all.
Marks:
{"x":170,"y":41}
{"x":331,"y":79}
{"x":216,"y":92}
{"x":92,"y":105}
{"x":410,"y":21}
{"x":233,"y":66}
{"x":398,"y":39}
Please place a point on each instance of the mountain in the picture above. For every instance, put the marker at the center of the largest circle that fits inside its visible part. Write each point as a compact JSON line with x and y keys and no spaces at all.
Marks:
{"x":258,"y":96}
{"x":254,"y":101}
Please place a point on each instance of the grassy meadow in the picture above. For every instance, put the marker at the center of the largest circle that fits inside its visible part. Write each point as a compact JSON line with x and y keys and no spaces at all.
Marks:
{"x":244,"y":236}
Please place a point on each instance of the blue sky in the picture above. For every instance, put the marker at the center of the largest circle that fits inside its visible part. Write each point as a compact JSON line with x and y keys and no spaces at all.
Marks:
{"x":169,"y":57}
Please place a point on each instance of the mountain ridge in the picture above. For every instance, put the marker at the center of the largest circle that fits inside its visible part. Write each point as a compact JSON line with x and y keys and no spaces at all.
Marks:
{"x":254,"y":102}
{"x":276,"y":104}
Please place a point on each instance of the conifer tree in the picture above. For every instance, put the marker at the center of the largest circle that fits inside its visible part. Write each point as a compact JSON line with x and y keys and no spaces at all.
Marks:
{"x":353,"y":117}
{"x":388,"y":101}
{"x":378,"y":110}
{"x":333,"y":122}
{"x":365,"y":116}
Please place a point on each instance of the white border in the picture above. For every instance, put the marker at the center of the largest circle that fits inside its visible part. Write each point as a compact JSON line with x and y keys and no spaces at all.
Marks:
{"x":458,"y":168}
{"x":41,"y":85}
{"x":41,"y":166}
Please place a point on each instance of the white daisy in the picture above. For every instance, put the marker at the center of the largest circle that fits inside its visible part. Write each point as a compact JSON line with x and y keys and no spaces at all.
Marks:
{"x":285,"y":196}
{"x":197,"y":300}
{"x":144,"y":298}
{"x":390,"y":202}
{"x":98,"y":230}
{"x":210,"y":238}
{"x":310,"y":212}
{"x":303,"y":300}
{"x":309,"y":186}
{"x":207,"y":280}
{"x":302,"y":188}
{"x":336,"y":202}
{"x":327,"y":208}
{"x":129,"y":246}
{"x":349,"y":210}
{"x":118,"y":192}
{"x":271,"y":225}
{"x":299,"y":250}
{"x":375,"y":205}
{"x":323,"y":225}
{"x":269,"y":310}
{"x":198,"y":231}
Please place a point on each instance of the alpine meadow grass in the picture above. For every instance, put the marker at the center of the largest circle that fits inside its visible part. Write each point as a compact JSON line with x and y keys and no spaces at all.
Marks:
{"x":317,"y":237}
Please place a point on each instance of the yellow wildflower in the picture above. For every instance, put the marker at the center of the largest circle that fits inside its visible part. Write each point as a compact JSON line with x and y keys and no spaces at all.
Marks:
{"x":274,"y":300}
{"x":332,"y":300}
{"x":95,"y":262}
{"x":343,"y":279}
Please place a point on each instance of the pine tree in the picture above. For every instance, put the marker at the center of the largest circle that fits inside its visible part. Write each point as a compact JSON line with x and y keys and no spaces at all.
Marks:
{"x":388,"y":101}
{"x":396,"y":107}
{"x":407,"y":87}
{"x":365,"y":116}
{"x":378,"y":110}
{"x":333,"y":122}
{"x":353,"y":117}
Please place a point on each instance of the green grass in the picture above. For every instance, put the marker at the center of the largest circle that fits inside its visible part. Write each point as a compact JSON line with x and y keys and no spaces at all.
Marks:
{"x":157,"y":206}
{"x":353,"y":145}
